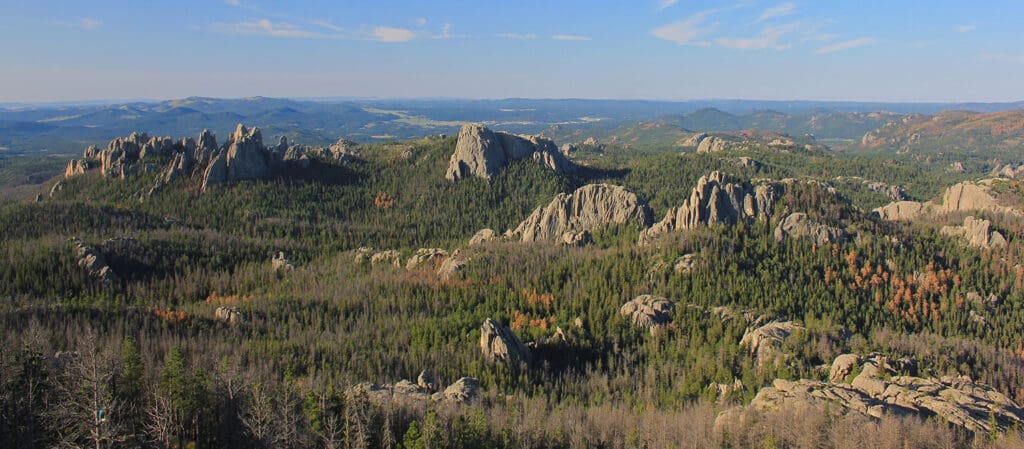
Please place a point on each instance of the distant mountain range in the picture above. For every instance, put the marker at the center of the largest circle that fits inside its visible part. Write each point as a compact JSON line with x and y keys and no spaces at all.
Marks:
{"x":66,"y":128}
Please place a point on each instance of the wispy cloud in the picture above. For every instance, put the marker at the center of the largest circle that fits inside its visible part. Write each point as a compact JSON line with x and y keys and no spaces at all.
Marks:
{"x":769,"y":38}
{"x":846,"y":45}
{"x":685,"y":32}
{"x":784,"y":9}
{"x":517,"y":36}
{"x":421,"y":22}
{"x":89,"y":23}
{"x":662,"y":4}
{"x":391,"y":34}
{"x":1001,"y":57}
{"x":264,"y":27}
{"x":570,"y":37}
{"x":967,"y":28}
{"x":233,"y":2}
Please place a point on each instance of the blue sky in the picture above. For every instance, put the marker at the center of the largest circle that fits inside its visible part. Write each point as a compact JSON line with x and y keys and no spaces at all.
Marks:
{"x":652,"y":49}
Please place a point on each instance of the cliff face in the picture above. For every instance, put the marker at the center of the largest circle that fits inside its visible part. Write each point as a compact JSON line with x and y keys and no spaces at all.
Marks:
{"x":481,"y":152}
{"x":588,"y":209}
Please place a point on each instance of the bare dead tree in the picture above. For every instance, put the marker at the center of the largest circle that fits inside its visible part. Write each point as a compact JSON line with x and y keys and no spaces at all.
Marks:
{"x":163,"y":424}
{"x":87,"y":411}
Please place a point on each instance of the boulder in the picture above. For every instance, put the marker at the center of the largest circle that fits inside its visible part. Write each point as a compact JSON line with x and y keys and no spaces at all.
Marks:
{"x":842,"y":367}
{"x":481,"y":152}
{"x":648,"y":312}
{"x":765,"y":341}
{"x":464,"y":390}
{"x":685,"y":264}
{"x":798,"y":226}
{"x":451,"y":267}
{"x":976,"y":232}
{"x":589,"y":208}
{"x":716,"y":200}
{"x":426,"y":381}
{"x":901,"y":210}
{"x":499,"y":344}
{"x":694,"y":140}
{"x":484,"y":236}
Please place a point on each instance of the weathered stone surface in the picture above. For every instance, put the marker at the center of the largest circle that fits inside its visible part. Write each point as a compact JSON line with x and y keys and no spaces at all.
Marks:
{"x":589,"y":208}
{"x":425,"y":255}
{"x":798,"y":226}
{"x":1012,"y":171}
{"x":843,"y":366}
{"x":76,"y":167}
{"x":884,"y":389}
{"x":581,"y":238}
{"x":451,"y":267}
{"x":464,"y":390}
{"x":716,"y":200}
{"x":765,"y":341}
{"x":685,"y":264}
{"x":247,"y":158}
{"x":482,"y":152}
{"x":94,"y":263}
{"x":426,"y":381}
{"x":484,"y":236}
{"x":970,"y":196}
{"x":216,"y":172}
{"x":694,"y":140}
{"x":648,"y":311}
{"x":901,"y":210}
{"x":976,"y":232}
{"x":390,"y":257}
{"x":713,"y":144}
{"x":499,"y":344}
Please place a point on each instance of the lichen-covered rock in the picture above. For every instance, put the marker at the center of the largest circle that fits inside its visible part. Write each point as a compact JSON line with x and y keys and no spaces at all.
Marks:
{"x":798,"y":226}
{"x":499,"y":344}
{"x":481,"y":152}
{"x":648,"y":311}
{"x":589,"y":208}
{"x":976,"y":232}
{"x":716,"y":200}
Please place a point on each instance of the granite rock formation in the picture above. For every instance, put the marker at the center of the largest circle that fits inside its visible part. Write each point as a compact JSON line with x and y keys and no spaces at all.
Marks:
{"x":481,"y":152}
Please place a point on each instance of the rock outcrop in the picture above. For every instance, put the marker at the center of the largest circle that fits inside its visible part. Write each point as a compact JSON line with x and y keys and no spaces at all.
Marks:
{"x":713,"y":144}
{"x":243,"y":156}
{"x":451,"y":267}
{"x":1011,"y":171}
{"x":967,"y":196}
{"x":481,"y":152}
{"x":798,"y":226}
{"x":648,"y":312}
{"x":94,"y":263}
{"x":389,"y":257}
{"x":716,"y":200}
{"x":280,"y":262}
{"x":425,"y":255}
{"x":229,"y":315}
{"x":888,"y":387}
{"x":484,"y":236}
{"x":499,"y":344}
{"x":464,"y":390}
{"x":976,"y":232}
{"x":694,"y":140}
{"x":589,"y":208}
{"x":685,"y":264}
{"x":765,"y":341}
